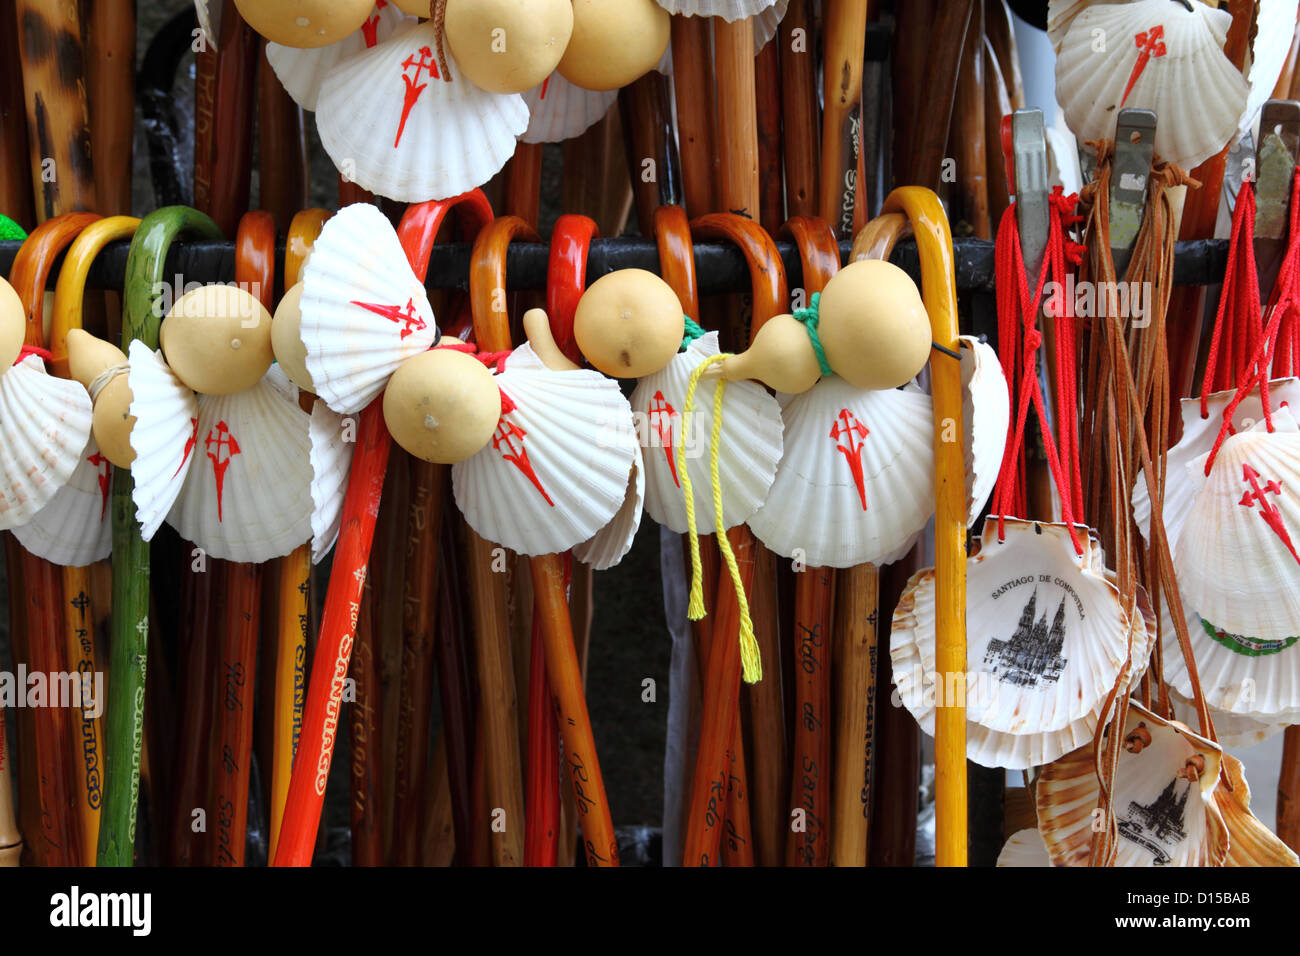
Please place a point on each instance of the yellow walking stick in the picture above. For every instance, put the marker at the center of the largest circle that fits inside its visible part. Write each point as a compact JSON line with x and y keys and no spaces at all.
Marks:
{"x":939,"y":292}
{"x":78,"y":609}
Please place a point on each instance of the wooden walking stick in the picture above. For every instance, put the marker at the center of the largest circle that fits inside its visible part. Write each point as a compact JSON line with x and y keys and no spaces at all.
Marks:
{"x":692,"y":87}
{"x":15,"y":175}
{"x":58,"y":123}
{"x":342,"y":602}
{"x":939,"y":292}
{"x":130,"y":628}
{"x":491,"y":331}
{"x":225,"y":98}
{"x":11,"y":840}
{"x":56,"y":840}
{"x":110,"y":86}
{"x":78,"y":606}
{"x":281,"y":149}
{"x":799,"y":109}
{"x":723,"y":671}
{"x":845,"y":31}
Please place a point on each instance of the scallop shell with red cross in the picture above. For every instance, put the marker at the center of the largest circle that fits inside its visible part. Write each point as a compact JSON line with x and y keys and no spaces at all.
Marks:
{"x":556,"y":470}
{"x":74,"y":530}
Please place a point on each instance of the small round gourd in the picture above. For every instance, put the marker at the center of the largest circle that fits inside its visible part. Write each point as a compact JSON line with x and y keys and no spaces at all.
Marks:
{"x":508,"y":46}
{"x":306,"y":23}
{"x":217,"y":339}
{"x":780,"y":356}
{"x":614,"y":42}
{"x":286,"y":339}
{"x":442,"y":406}
{"x":629,"y":323}
{"x":13,"y":326}
{"x":873,"y":325}
{"x":88,"y":359}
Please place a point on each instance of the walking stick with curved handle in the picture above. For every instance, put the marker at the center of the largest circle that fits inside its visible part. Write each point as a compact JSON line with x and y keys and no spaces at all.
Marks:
{"x":343,"y":599}
{"x":78,"y":608}
{"x":55,"y":840}
{"x":939,"y":292}
{"x":722,"y":674}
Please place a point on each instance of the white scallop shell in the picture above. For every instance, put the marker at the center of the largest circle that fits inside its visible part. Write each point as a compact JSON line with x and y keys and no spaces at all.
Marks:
{"x":1061,"y":14}
{"x":856,"y":481}
{"x":302,"y":71}
{"x":1275,"y":25}
{"x":247,"y":496}
{"x":164,"y":437}
{"x":729,"y":10}
{"x":1196,"y":92}
{"x":749,"y":444}
{"x":986,"y":417}
{"x":44,"y":424}
{"x":610,"y":544}
{"x":331,"y":461}
{"x":1250,"y":842}
{"x":75,"y":529}
{"x":1181,"y":481}
{"x":1232,"y":730}
{"x":559,"y":110}
{"x":767,"y":23}
{"x":353,"y":349}
{"x":455,"y":136}
{"x":1025,"y":848}
{"x":1046,"y":640}
{"x":1151,"y":788}
{"x":1238,"y":561}
{"x":571,"y":445}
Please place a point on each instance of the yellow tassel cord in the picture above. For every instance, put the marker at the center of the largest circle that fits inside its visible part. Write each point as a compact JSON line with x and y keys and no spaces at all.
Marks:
{"x":750,"y":659}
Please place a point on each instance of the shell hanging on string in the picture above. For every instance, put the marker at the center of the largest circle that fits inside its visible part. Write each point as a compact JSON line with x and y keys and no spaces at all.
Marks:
{"x":1164,"y":799}
{"x":74,"y":530}
{"x":1156,"y":55}
{"x":556,"y":470}
{"x":1250,"y":842}
{"x":1232,"y":730}
{"x":856,"y":480}
{"x":749,"y":445}
{"x":303,"y":71}
{"x":164,"y":436}
{"x":1270,"y":45}
{"x":558,"y":110}
{"x":608,"y":546}
{"x":1047,"y":638}
{"x":1025,"y":848}
{"x":333,"y":438}
{"x":393,"y":124}
{"x":986,"y":418}
{"x":364,"y":311}
{"x":45,"y":422}
{"x":248,"y":498}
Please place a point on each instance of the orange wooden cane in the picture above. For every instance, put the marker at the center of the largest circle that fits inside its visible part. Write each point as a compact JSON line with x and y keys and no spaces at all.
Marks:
{"x":492,"y":332}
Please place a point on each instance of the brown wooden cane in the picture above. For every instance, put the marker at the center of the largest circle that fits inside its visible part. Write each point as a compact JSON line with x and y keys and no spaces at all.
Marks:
{"x":225,"y":102}
{"x":947,"y":36}
{"x":799,"y":108}
{"x":913,"y":36}
{"x":11,"y":839}
{"x":968,"y":128}
{"x":365,"y":771}
{"x":997,"y":104}
{"x":110,"y":74}
{"x":281,"y":148}
{"x":15,"y":177}
{"x":491,"y":329}
{"x":1288,"y":790}
{"x":58,"y":122}
{"x":693,"y":86}
{"x":767,"y":91}
{"x":722,"y":676}
{"x":596,"y":183}
{"x":844,"y":33}
{"x":55,"y":833}
{"x":737,"y":140}
{"x":1000,"y":33}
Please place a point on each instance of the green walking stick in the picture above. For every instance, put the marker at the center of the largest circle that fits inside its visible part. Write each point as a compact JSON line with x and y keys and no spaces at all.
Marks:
{"x":130,"y":632}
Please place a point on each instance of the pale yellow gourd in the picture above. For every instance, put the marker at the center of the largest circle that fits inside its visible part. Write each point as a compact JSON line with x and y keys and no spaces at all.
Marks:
{"x":217,"y":339}
{"x":89,"y":359}
{"x":629,"y":323}
{"x":780,"y":356}
{"x":416,"y":8}
{"x":508,"y":46}
{"x":873,"y":325}
{"x":13,"y":326}
{"x":442,"y":405}
{"x":537,"y":326}
{"x":306,"y":23}
{"x":286,"y":339}
{"x":614,"y":42}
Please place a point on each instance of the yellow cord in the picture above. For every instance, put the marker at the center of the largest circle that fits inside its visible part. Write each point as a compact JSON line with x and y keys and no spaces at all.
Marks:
{"x":750,"y":658}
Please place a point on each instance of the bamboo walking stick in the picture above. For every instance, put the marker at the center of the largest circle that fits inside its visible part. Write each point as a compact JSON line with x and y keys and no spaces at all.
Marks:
{"x":78,"y":607}
{"x":563,"y":672}
{"x":130,"y":628}
{"x":57,"y":842}
{"x":938,"y":290}
{"x":845,"y":33}
{"x":15,"y":162}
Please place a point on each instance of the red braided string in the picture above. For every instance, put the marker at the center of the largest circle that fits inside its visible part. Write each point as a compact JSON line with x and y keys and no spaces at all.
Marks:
{"x":1239,"y":314}
{"x":33,"y":350}
{"x":490,"y":359}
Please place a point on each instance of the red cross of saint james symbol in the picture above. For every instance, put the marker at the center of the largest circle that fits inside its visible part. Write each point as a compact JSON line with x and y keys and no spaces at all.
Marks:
{"x":503,"y":440}
{"x":408,"y":318}
{"x":189,"y":445}
{"x":661,"y":419}
{"x":102,"y":466}
{"x":370,"y":29}
{"x":1149,"y":43}
{"x":1267,"y":510}
{"x":848,"y":426}
{"x":221,"y":447}
{"x":413,"y":86}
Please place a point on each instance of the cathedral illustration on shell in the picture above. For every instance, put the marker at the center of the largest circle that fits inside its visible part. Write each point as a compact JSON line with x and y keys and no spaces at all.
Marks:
{"x":1033,"y":654}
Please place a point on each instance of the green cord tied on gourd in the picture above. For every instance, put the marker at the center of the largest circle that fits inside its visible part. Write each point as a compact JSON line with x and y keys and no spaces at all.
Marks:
{"x":750,"y":658}
{"x":810,"y":318}
{"x":693,"y":331}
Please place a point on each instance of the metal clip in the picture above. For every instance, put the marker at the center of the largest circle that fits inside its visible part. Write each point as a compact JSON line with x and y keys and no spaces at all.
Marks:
{"x":1135,"y":143}
{"x":1274,"y":167}
{"x":1029,"y":165}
